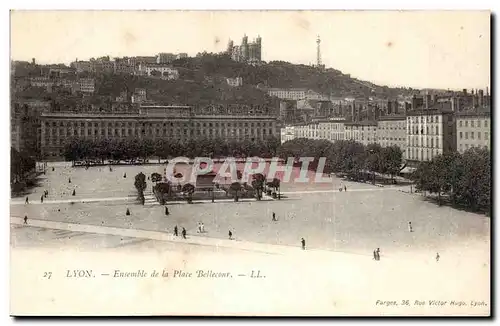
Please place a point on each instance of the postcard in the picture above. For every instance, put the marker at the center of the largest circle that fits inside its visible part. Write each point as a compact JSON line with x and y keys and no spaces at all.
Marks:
{"x":250,"y":163}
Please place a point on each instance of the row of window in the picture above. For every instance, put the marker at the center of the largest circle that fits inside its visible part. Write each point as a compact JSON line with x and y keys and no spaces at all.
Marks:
{"x":415,"y":130}
{"x":464,"y":147}
{"x":130,"y":132}
{"x":472,"y":124}
{"x":486,"y":135}
{"x":415,"y":154}
{"x":422,"y":119}
{"x":150,"y":124}
{"x":420,"y":143}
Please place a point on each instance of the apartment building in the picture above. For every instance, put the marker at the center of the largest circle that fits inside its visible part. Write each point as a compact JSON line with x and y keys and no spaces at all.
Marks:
{"x":473,"y":130}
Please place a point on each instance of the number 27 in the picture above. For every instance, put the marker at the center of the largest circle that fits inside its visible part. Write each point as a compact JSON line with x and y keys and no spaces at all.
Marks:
{"x":47,"y":275}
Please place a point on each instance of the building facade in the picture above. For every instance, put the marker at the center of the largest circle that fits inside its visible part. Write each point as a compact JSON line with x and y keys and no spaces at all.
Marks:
{"x":391,"y":131}
{"x":364,"y":132}
{"x":473,"y":130}
{"x":246,"y":52}
{"x":154,"y":122}
{"x":163,"y":71}
{"x":429,"y":133}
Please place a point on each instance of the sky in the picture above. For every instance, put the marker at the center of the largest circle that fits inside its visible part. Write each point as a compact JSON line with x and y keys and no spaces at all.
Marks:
{"x":420,"y":49}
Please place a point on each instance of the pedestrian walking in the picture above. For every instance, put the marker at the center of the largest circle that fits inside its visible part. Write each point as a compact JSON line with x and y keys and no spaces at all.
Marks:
{"x":184,"y":233}
{"x":41,"y":199}
{"x":202,"y":227}
{"x":199,"y":227}
{"x":27,"y":201}
{"x":303,"y":243}
{"x":74,"y":192}
{"x":230,"y":235}
{"x":53,"y":169}
{"x":345,"y":188}
{"x":378,"y":253}
{"x":166,"y":211}
{"x":410,"y":228}
{"x":375,"y":255}
{"x":274,"y":217}
{"x":176,"y":231}
{"x":437,"y":257}
{"x":25,"y":219}
{"x":69,"y":180}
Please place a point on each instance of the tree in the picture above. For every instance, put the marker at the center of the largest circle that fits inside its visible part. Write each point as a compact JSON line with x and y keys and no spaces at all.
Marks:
{"x":258,"y":184}
{"x":188,"y":189}
{"x":140,"y":185}
{"x":156,"y":177}
{"x":373,"y":159}
{"x":392,"y":159}
{"x":235,"y":188}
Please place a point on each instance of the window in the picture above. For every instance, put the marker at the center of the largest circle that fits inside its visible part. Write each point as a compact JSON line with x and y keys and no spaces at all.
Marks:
{"x":466,"y":135}
{"x":466,"y":123}
{"x":486,"y":123}
{"x":472,"y":134}
{"x":472,"y":123}
{"x":479,"y":135}
{"x":486,"y":136}
{"x":461,"y":136}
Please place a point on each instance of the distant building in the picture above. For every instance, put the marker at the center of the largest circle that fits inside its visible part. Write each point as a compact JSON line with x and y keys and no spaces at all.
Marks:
{"x":364,"y":132}
{"x":182,"y":56}
{"x":247,"y":52}
{"x":235,"y":82}
{"x":87,"y":85}
{"x":430,"y":132}
{"x":83,"y":66}
{"x":473,"y":130}
{"x":391,"y":131}
{"x":163,"y":58}
{"x":162,"y":71}
{"x":287,"y":133}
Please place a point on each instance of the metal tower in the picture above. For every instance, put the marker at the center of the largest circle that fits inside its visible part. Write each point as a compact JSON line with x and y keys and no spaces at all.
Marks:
{"x":318,"y":52}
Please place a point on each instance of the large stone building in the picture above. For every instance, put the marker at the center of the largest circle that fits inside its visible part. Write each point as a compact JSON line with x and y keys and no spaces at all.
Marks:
{"x":473,"y":130}
{"x":364,"y":132}
{"x":429,"y":133}
{"x":391,"y":130}
{"x":172,"y":122}
{"x":246,"y":52}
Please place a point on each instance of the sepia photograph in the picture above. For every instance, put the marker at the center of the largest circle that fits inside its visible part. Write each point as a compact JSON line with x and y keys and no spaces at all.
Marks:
{"x":250,"y":163}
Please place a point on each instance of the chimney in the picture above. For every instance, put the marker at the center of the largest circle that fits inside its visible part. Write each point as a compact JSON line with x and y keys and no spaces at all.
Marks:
{"x":481,"y":98}
{"x":464,"y":92}
{"x":433,"y":99}
{"x":474,"y":100}
{"x":428,"y":103}
{"x":414,"y":102}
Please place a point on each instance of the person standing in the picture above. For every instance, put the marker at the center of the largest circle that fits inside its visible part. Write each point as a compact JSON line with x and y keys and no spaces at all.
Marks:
{"x":41,"y":199}
{"x":303,"y":243}
{"x":437,"y":257}
{"x":176,"y":231}
{"x":166,"y":211}
{"x":375,"y":255}
{"x":202,"y":227}
{"x":274,"y":217}
{"x":410,"y":227}
{"x":378,"y":253}
{"x":345,"y":188}
{"x":25,"y":219}
{"x":27,"y":201}
{"x":184,"y":233}
{"x":230,"y":235}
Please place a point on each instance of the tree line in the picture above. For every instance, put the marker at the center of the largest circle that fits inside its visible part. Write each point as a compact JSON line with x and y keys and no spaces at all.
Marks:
{"x":463,"y":179}
{"x":347,"y":157}
{"x":84,"y":149}
{"x":21,"y":163}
